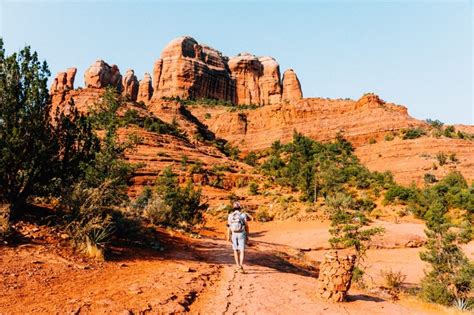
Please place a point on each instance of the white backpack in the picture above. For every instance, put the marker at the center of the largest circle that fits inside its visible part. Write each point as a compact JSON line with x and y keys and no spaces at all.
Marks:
{"x":236,"y":223}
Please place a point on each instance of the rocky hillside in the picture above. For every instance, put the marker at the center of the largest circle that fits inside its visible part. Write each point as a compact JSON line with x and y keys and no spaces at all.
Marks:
{"x":255,"y":107}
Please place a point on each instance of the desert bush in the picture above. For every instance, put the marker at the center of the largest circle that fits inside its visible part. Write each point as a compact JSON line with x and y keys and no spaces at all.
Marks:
{"x":413,"y":133}
{"x":4,"y":220}
{"x":349,"y":228}
{"x":452,"y":274}
{"x":399,"y":194}
{"x":463,"y":305}
{"x":251,"y":159}
{"x":442,"y":158}
{"x":372,"y":141}
{"x":449,"y":131}
{"x":207,"y":116}
{"x":429,"y":178}
{"x":453,"y":158}
{"x":253,"y":188}
{"x":393,"y":280}
{"x":389,"y":136}
{"x":262,"y":215}
{"x":184,"y":202}
{"x":364,"y":204}
{"x":197,"y":168}
{"x":437,"y":124}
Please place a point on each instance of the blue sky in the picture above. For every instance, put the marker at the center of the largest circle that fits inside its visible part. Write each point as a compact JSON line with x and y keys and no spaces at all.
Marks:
{"x":415,"y":53}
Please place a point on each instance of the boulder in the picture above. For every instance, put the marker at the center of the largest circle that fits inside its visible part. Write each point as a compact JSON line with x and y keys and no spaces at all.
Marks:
{"x":145,"y":89}
{"x":64,"y":81}
{"x":130,"y":85}
{"x":101,"y":74}
{"x":245,"y":70}
{"x":291,"y":86}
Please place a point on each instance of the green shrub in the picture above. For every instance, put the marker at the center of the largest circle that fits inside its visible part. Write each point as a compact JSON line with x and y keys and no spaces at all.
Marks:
{"x":263,"y":216}
{"x":449,"y":131}
{"x":442,"y":158}
{"x":251,"y":159}
{"x":393,"y":280}
{"x":253,"y":188}
{"x":413,"y":133}
{"x":207,"y":116}
{"x":452,"y":274}
{"x":184,"y":202}
{"x":349,"y":227}
{"x":399,"y":194}
{"x":389,"y":136}
{"x":197,"y":168}
{"x":453,"y":158}
{"x":437,"y":124}
{"x":429,"y":178}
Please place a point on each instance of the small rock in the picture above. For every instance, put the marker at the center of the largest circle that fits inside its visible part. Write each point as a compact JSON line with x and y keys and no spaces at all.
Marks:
{"x":184,"y":268}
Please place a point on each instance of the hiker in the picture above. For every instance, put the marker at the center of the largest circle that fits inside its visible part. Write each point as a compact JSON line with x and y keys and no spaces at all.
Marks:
{"x":237,"y":232}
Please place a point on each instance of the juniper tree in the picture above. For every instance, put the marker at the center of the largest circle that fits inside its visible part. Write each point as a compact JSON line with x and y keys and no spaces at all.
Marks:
{"x":39,"y":150}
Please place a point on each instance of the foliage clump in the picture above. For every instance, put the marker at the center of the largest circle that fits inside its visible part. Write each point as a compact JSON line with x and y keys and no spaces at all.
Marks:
{"x":320,"y":169}
{"x":171,"y":204}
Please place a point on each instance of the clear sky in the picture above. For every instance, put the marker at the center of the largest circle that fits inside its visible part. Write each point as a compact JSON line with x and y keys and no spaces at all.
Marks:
{"x":415,"y":53}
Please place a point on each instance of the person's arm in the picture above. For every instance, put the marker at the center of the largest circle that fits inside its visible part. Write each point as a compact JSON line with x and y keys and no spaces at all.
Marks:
{"x":227,"y":233}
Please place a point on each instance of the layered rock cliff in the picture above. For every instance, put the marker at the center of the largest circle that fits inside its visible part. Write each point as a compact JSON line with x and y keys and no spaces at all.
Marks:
{"x":188,"y":69}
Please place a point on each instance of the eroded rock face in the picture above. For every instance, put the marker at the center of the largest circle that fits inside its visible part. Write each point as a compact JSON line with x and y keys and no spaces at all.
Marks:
{"x":269,"y":82}
{"x":101,"y":74}
{"x":246,"y":70}
{"x":189,"y":70}
{"x":145,"y":89}
{"x":291,"y":86}
{"x":130,"y":85}
{"x":64,"y":81}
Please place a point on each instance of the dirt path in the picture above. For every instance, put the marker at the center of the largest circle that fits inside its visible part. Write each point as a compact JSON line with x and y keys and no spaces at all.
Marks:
{"x":272,"y":285}
{"x":197,"y":276}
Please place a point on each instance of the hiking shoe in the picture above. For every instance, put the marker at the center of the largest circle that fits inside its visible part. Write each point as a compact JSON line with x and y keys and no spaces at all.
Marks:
{"x":241,"y":269}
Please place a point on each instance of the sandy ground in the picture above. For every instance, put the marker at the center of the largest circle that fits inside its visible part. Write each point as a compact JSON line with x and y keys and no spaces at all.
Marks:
{"x":198,"y":276}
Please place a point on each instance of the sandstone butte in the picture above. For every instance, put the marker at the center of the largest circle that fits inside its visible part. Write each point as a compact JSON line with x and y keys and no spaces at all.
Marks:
{"x":187,"y":69}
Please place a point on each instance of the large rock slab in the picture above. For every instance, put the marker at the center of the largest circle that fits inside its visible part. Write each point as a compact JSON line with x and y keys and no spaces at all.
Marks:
{"x":187,"y":69}
{"x":291,"y":86}
{"x":100,"y":75}
{"x":130,"y":85}
{"x":145,"y":89}
{"x":64,"y":81}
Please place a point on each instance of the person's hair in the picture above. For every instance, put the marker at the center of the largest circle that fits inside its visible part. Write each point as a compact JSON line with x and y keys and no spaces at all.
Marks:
{"x":236,"y":206}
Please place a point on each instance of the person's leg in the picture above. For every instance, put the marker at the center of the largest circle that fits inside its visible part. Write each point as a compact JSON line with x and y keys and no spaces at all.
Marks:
{"x":235,"y":247}
{"x":236,"y":257}
{"x":241,"y":243}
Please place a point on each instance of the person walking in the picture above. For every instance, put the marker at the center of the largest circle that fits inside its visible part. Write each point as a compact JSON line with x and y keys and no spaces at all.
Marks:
{"x":237,"y":229}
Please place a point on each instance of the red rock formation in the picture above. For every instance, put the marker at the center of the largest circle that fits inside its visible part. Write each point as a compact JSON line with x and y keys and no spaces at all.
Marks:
{"x":101,"y":74}
{"x":246,"y":70}
{"x":130,"y":85}
{"x":145,"y":89}
{"x":291,"y":86}
{"x":270,"y":85}
{"x":64,"y":81}
{"x":318,"y":118}
{"x":189,"y":70}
